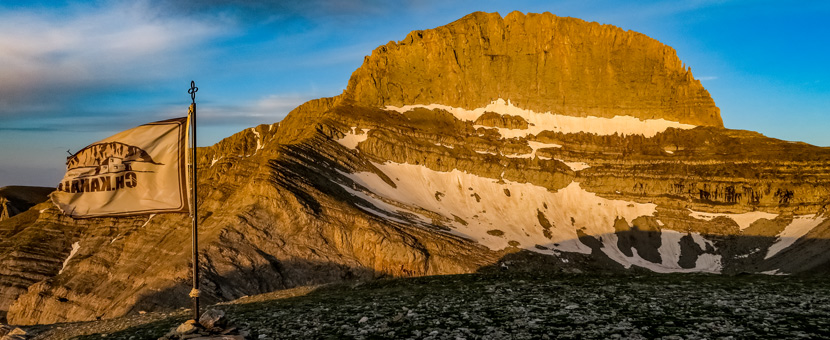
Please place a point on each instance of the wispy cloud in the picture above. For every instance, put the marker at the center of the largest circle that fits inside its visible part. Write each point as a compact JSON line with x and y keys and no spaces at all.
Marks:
{"x":268,"y":10}
{"x":53,"y":56}
{"x":266,"y":110}
{"x":707,"y":78}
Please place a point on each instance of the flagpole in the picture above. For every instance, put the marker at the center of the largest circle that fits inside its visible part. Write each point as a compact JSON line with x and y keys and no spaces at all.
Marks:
{"x":194,"y":293}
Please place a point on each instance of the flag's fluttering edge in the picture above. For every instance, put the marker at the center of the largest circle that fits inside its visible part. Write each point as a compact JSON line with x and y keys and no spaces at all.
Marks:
{"x":138,"y":171}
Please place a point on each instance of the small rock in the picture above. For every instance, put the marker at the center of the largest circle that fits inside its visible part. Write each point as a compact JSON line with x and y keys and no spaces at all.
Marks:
{"x":213,"y":318}
{"x":262,"y":336}
{"x":363,"y":319}
{"x":4,"y":329}
{"x":17,"y":331}
{"x":15,"y":334}
{"x":188,"y":327}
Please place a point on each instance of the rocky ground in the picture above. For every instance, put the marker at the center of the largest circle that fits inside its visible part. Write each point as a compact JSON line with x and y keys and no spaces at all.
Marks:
{"x":517,"y":306}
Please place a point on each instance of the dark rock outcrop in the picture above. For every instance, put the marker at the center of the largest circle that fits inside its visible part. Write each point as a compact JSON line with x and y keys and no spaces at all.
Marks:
{"x":17,"y":199}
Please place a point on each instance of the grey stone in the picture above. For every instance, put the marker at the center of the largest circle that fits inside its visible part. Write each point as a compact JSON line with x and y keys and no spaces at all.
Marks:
{"x":213,"y":318}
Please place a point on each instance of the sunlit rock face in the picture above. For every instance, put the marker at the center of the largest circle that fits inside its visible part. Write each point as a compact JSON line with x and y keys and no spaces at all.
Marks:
{"x":540,"y":62}
{"x":474,"y":164}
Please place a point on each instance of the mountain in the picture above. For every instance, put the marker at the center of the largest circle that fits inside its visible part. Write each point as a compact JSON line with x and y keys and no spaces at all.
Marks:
{"x":528,"y":142}
{"x":540,"y":62}
{"x":17,"y":199}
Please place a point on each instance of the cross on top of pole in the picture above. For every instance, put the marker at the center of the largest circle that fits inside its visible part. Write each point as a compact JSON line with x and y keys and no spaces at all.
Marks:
{"x":193,"y":89}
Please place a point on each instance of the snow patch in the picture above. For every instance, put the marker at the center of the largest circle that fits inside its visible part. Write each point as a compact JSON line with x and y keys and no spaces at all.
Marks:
{"x":518,"y":155}
{"x":547,"y":121}
{"x":743,"y":220}
{"x":148,"y":220}
{"x":799,"y":227}
{"x":214,"y":160}
{"x":701,"y":241}
{"x":669,"y":255}
{"x":351,"y":139}
{"x":575,"y":166}
{"x":258,"y":140}
{"x":75,"y":247}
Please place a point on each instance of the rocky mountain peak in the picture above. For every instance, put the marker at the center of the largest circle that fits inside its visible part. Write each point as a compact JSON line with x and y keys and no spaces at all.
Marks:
{"x":538,"y":62}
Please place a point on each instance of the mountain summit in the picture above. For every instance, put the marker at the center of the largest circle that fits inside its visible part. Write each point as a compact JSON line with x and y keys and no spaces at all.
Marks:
{"x":525,"y":142}
{"x":539,"y":62}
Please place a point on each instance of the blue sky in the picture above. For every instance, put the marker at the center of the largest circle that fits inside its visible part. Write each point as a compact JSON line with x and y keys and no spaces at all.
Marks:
{"x":72,"y":73}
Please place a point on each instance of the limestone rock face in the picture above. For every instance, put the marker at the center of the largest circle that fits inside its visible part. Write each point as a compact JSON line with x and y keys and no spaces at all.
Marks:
{"x":540,"y":62}
{"x":441,"y":179}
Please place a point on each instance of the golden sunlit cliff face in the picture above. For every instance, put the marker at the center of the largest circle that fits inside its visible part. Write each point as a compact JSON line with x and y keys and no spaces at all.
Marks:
{"x":535,"y":141}
{"x":540,"y":62}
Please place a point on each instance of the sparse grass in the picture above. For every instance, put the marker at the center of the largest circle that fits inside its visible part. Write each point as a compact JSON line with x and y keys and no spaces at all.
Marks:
{"x":534,"y":306}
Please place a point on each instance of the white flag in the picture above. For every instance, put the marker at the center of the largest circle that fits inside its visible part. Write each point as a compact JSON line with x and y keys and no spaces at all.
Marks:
{"x":138,"y":171}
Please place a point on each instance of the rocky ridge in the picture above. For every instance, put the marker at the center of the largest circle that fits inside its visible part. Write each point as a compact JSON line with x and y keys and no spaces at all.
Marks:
{"x":17,"y":199}
{"x":634,"y":172}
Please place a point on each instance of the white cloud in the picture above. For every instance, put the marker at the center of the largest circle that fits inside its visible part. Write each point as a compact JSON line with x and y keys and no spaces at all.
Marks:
{"x":80,"y":48}
{"x":705,"y":78}
{"x":265,"y":110}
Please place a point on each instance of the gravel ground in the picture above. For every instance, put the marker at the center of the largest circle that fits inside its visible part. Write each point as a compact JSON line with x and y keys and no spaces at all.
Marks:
{"x":521,"y":306}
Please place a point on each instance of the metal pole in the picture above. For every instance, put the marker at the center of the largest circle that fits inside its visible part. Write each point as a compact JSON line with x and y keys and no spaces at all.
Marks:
{"x":195,"y":292}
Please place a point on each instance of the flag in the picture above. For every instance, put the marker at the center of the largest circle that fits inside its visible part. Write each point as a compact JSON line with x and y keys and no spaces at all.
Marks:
{"x":137,"y":171}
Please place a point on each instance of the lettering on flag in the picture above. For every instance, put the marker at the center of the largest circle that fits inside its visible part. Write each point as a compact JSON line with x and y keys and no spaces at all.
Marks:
{"x":137,"y":171}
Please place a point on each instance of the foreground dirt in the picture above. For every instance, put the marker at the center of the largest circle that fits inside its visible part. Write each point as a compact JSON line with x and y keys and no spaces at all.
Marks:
{"x":518,"y":306}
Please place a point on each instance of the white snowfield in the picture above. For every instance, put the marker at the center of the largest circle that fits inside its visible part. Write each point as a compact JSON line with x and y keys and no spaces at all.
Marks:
{"x":351,"y":139}
{"x":800,"y":226}
{"x":547,"y":121}
{"x":484,"y":205}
